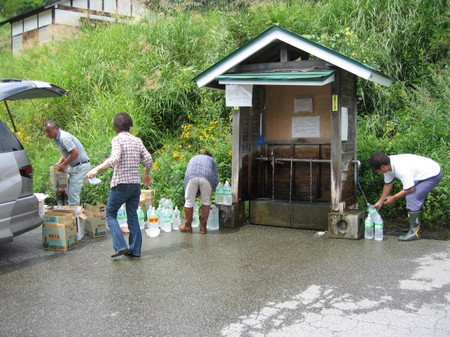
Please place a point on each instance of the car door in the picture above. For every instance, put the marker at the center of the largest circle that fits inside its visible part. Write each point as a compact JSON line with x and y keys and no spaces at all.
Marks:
{"x":18,"y":206}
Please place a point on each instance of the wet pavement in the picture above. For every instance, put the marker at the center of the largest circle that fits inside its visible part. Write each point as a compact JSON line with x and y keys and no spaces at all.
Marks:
{"x":248,"y":281}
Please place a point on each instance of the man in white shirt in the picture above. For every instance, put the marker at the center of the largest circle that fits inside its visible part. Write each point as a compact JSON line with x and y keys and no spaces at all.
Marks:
{"x":419,"y":175}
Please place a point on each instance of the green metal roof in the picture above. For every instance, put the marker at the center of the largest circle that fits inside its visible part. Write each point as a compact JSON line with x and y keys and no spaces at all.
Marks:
{"x":276,"y":33}
{"x":310,"y":76}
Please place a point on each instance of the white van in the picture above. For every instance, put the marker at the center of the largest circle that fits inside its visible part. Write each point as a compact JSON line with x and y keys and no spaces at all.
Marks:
{"x":19,"y":207}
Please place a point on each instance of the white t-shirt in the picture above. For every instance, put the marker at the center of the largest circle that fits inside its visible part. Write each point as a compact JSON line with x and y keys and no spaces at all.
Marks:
{"x":410,"y":169}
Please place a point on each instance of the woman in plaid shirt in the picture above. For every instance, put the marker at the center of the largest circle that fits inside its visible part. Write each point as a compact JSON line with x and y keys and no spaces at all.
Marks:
{"x":127,"y":153}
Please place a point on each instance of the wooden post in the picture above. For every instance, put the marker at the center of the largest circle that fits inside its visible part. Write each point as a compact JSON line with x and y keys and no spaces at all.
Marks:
{"x":336,"y":145}
{"x":236,"y":154}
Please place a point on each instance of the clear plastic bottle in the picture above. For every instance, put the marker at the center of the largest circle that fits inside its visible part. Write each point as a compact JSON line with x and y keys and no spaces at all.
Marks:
{"x":368,"y":224}
{"x":213,"y":218}
{"x":227,"y":194}
{"x":169,"y":203}
{"x":219,"y":193}
{"x":195,"y":219}
{"x":153,"y":219}
{"x":166,"y":220}
{"x":159,"y":213}
{"x":378,"y":221}
{"x":149,"y":213}
{"x":162,"y":201}
{"x":176,"y":221}
{"x":140,"y":215}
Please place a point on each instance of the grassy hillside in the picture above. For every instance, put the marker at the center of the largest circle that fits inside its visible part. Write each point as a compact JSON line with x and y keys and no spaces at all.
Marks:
{"x":146,"y":69}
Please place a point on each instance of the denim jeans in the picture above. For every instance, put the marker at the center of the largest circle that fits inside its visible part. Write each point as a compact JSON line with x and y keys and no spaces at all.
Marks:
{"x":129,"y":194}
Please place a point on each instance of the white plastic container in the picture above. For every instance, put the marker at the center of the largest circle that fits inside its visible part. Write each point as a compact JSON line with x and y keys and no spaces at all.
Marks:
{"x":166,"y":215}
{"x":219,"y":194}
{"x":176,"y":221}
{"x":369,"y":227}
{"x":195,"y":219}
{"x":141,"y":217}
{"x":227,"y":194}
{"x":378,"y":221}
{"x":153,"y":221}
{"x":213,"y":219}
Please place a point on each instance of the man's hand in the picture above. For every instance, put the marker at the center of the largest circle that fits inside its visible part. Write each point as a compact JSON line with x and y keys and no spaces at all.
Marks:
{"x":62,"y":167}
{"x":389,"y":200}
{"x":378,"y":205}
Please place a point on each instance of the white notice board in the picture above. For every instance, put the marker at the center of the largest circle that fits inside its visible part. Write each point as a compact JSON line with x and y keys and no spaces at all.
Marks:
{"x":344,"y":124}
{"x":238,"y":95}
{"x":306,"y":127}
{"x":303,"y":104}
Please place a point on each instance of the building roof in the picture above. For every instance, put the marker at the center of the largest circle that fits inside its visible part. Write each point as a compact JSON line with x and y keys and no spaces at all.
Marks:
{"x":32,"y":12}
{"x":258,"y":50}
{"x":317,"y":77}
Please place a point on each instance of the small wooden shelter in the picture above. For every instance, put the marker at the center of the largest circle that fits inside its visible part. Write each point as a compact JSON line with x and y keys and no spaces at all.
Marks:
{"x":60,"y":19}
{"x":294,"y":131}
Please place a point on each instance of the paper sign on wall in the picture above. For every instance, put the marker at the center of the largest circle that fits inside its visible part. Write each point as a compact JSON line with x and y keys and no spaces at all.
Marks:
{"x":238,"y":95}
{"x":306,"y":127}
{"x":303,"y":104}
{"x":344,"y":124}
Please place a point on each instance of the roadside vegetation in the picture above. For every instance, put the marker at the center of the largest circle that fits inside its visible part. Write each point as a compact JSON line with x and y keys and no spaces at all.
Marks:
{"x":146,"y":69}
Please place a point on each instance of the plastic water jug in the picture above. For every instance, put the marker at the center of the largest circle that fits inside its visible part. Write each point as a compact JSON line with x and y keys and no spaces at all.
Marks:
{"x":140,"y":215}
{"x":213,"y":219}
{"x":368,"y":224}
{"x":219,"y":193}
{"x":176,"y":221}
{"x":153,"y":219}
{"x":195,"y":219}
{"x":227,"y":192}
{"x":122,"y":215}
{"x":378,"y":221}
{"x":167,"y":220}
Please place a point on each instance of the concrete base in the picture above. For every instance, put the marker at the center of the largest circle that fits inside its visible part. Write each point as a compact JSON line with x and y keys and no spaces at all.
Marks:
{"x":289,"y":214}
{"x":349,"y":225}
{"x":231,"y":216}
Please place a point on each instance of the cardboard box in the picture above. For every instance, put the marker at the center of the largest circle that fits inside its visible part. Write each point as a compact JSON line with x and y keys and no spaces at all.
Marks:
{"x":98,"y":208}
{"x":57,"y":236}
{"x":82,"y":219}
{"x":95,"y":224}
{"x":59,"y":180}
{"x":146,"y":200}
{"x":148,"y":194}
{"x":61,"y":217}
{"x":79,"y":216}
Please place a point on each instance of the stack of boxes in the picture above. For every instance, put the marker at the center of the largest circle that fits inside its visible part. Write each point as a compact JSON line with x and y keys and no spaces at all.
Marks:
{"x":96,"y":220}
{"x":64,"y":226}
{"x":59,"y":230}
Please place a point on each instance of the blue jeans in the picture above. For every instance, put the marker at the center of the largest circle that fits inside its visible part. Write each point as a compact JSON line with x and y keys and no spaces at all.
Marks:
{"x":129,"y":194}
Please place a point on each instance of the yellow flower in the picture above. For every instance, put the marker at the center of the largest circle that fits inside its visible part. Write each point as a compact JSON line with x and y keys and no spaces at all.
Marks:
{"x":156,"y":165}
{"x":230,"y":153}
{"x":176,"y":154}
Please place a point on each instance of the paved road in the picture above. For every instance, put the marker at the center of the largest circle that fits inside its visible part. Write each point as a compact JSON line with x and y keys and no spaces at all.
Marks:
{"x":249,"y":281}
